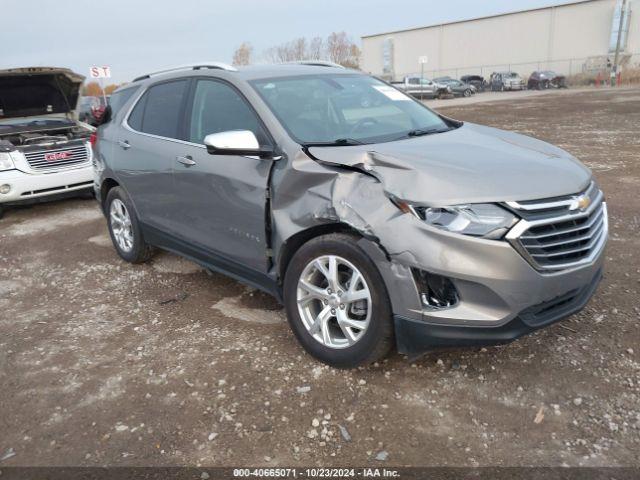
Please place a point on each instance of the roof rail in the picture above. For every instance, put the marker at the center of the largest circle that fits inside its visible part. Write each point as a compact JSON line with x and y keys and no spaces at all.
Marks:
{"x":316,"y":63}
{"x":198,"y":66}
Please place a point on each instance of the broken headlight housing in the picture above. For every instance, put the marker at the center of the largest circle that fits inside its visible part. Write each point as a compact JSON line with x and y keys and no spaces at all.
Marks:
{"x":485,"y":220}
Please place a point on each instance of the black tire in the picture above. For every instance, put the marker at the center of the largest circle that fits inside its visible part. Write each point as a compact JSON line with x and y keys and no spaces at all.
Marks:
{"x":141,"y":251}
{"x":377,"y":339}
{"x":467,"y":93}
{"x":2,"y":210}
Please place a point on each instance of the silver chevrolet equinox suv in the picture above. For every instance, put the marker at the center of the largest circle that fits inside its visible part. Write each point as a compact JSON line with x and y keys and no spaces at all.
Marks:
{"x":374,"y":220}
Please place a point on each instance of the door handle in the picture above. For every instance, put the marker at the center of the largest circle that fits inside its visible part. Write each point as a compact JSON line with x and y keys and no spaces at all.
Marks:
{"x":187,"y":161}
{"x":124,"y":144}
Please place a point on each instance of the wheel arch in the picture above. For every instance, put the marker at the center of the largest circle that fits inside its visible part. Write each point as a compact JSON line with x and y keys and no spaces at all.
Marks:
{"x":292,"y":244}
{"x":107,"y":184}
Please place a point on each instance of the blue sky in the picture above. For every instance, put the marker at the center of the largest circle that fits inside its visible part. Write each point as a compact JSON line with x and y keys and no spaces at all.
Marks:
{"x":137,"y":36}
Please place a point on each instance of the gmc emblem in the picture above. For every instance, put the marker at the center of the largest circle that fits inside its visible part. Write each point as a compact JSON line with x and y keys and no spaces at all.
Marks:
{"x":53,"y":156}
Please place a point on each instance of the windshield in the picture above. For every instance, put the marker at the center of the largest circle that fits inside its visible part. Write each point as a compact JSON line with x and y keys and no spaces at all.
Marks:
{"x":418,"y":81}
{"x":345,"y":109}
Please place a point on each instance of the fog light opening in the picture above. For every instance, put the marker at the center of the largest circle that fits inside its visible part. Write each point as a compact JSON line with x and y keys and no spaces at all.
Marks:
{"x":4,"y":189}
{"x":436,"y":292}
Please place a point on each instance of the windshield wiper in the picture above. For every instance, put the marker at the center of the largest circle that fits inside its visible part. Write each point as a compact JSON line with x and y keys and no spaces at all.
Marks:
{"x":418,"y":132}
{"x":339,"y":142}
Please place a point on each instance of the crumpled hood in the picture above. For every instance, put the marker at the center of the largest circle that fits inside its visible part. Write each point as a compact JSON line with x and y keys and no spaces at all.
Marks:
{"x":37,"y":91}
{"x":470,"y":164}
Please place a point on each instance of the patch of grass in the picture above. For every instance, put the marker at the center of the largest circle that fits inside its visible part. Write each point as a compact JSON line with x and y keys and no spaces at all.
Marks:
{"x":630,"y":76}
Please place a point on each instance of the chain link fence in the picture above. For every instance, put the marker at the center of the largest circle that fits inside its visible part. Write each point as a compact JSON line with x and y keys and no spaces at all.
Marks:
{"x":583,"y":70}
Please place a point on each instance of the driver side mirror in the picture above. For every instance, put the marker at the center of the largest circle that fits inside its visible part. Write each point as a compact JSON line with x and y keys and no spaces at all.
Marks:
{"x":236,"y":142}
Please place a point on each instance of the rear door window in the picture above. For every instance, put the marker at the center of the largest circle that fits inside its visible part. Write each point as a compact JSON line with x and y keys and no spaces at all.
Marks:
{"x":159,"y":110}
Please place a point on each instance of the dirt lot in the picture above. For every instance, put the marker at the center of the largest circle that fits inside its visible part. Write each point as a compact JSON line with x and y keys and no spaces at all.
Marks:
{"x":105,"y":363}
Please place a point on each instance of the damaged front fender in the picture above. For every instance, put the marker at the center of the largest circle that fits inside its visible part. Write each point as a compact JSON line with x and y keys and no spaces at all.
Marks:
{"x":309,"y":193}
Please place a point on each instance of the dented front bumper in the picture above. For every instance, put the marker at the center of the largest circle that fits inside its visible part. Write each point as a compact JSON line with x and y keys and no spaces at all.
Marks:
{"x":414,"y":337}
{"x":500,"y":295}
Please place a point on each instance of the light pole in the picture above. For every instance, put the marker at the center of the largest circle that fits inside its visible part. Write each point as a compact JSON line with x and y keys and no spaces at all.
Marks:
{"x":614,"y":72}
{"x":423,"y":60}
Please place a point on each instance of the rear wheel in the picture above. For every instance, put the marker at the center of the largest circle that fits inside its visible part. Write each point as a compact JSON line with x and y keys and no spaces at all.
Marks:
{"x":124,"y":228}
{"x":337,"y":303}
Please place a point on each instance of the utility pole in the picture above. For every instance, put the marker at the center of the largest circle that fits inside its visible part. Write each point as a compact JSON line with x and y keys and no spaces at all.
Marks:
{"x":614,"y":73}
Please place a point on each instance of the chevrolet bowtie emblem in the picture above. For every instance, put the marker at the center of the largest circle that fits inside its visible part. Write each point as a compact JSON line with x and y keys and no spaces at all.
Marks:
{"x":581,"y":202}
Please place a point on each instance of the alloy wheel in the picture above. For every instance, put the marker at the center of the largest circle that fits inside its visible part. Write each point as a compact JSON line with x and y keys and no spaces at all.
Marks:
{"x":120,"y":221}
{"x":334,"y":301}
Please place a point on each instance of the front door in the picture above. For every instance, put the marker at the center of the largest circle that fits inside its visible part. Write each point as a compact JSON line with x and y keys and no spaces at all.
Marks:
{"x":221,"y":198}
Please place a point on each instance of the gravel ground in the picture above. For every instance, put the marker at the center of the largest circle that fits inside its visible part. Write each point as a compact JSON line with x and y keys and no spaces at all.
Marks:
{"x":106,"y":363}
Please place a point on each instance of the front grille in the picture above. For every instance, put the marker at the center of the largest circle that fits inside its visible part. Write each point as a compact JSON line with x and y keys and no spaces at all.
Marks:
{"x":555,"y":234}
{"x":57,"y":157}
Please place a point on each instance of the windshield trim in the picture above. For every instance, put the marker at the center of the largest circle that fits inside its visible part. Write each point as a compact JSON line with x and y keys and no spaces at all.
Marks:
{"x":387,"y":138}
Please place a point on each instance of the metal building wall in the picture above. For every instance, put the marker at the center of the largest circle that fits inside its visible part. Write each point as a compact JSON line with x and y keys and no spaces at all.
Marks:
{"x":560,"y":38}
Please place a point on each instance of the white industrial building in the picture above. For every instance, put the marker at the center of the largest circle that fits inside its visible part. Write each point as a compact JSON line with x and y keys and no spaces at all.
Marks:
{"x":569,"y":38}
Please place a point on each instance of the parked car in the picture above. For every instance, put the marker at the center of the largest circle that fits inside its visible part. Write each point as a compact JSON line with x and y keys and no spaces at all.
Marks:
{"x":501,"y":81}
{"x":421,"y":87}
{"x":458,"y":89}
{"x":477,"y":81}
{"x":546,"y":79}
{"x":91,"y":108}
{"x":376,"y":222}
{"x":44,"y":150}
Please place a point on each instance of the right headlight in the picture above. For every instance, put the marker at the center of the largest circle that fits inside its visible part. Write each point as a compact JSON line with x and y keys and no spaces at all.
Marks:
{"x":485,"y":220}
{"x":6,"y":162}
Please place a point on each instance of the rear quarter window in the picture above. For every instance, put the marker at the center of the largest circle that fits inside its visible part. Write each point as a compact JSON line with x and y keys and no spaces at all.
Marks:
{"x":119,"y":99}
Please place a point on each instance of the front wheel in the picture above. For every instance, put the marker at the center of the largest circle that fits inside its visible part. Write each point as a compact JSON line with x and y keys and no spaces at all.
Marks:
{"x":337,"y":303}
{"x":467,"y":93}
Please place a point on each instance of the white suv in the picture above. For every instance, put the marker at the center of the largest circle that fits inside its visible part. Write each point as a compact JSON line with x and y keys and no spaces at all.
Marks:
{"x":44,"y":150}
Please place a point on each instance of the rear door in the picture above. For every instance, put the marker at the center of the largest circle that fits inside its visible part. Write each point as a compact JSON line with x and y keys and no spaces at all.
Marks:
{"x":146,"y":148}
{"x":221,"y":198}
